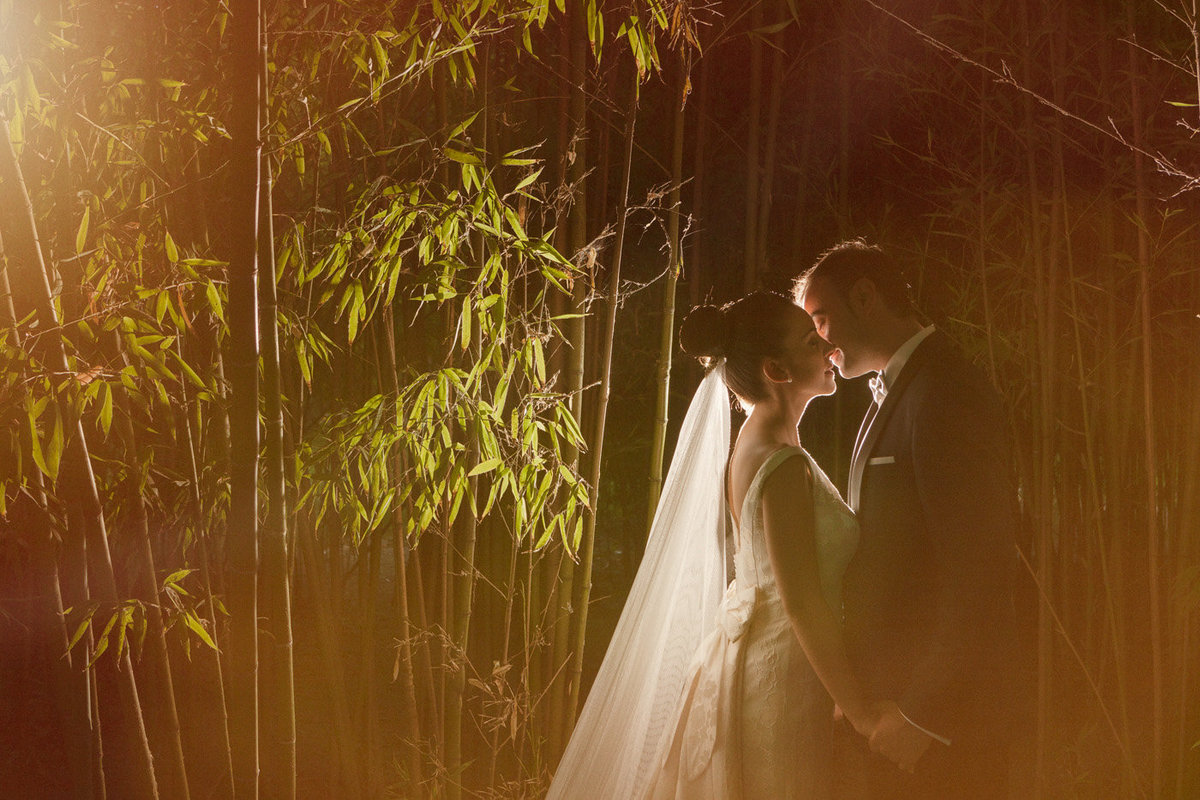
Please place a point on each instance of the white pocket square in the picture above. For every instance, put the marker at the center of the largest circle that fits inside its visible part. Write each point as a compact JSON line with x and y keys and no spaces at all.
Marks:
{"x":881,"y":460}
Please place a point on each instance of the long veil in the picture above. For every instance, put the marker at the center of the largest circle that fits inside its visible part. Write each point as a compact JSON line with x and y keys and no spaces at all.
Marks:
{"x":672,"y":605}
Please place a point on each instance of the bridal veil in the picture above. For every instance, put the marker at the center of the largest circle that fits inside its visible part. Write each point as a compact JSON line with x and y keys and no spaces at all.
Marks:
{"x":672,"y":605}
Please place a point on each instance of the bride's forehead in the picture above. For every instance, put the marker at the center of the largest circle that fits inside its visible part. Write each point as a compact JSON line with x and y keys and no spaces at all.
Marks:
{"x":801,"y":321}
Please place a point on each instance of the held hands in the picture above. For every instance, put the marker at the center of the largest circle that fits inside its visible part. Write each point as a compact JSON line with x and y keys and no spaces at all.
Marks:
{"x":896,"y":738}
{"x":864,"y":721}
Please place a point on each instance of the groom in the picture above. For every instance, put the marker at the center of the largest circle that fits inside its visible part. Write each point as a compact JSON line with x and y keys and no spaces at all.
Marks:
{"x":927,"y":600}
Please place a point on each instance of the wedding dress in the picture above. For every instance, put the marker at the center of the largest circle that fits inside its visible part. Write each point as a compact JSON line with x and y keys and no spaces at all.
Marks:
{"x":700,"y":697}
{"x":755,"y":721}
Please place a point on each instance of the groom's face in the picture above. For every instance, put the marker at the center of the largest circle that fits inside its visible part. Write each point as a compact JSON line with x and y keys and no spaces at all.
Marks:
{"x":838,"y":324}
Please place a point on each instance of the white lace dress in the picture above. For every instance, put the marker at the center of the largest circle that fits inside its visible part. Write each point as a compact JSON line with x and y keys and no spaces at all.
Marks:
{"x":754,"y":721}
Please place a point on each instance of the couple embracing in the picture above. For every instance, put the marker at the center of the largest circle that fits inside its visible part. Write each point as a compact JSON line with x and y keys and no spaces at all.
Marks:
{"x":863,"y":647}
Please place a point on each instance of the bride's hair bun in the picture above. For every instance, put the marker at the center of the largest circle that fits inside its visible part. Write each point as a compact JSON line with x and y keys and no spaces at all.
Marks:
{"x":744,"y":332}
{"x":705,"y":333}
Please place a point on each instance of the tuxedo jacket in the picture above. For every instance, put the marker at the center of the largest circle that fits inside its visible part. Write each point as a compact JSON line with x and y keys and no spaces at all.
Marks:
{"x":927,"y":598}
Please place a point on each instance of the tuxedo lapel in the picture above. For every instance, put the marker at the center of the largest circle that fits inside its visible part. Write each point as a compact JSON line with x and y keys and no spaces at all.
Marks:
{"x":877,"y":417}
{"x":868,"y":418}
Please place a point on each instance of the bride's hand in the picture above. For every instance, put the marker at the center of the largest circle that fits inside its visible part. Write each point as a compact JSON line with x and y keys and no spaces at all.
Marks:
{"x":897,"y":738}
{"x":866,"y":720}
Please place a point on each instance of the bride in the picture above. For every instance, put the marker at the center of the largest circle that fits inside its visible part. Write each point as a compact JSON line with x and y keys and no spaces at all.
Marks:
{"x":708,"y":696}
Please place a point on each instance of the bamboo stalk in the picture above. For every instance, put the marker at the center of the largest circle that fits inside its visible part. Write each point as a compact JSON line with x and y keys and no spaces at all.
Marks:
{"x":404,"y":655}
{"x":206,"y":572}
{"x":457,"y":661}
{"x":765,"y":202}
{"x":277,"y":681}
{"x":697,"y":260}
{"x":505,"y":643}
{"x":1189,"y":517}
{"x":348,"y":785}
{"x":172,"y":772}
{"x":612,"y":301}
{"x":662,"y":378}
{"x":562,"y":571}
{"x":369,"y":692}
{"x":1043,"y":464}
{"x":751,"y":236}
{"x":464,"y":534}
{"x":1153,"y":551}
{"x":242,"y":357}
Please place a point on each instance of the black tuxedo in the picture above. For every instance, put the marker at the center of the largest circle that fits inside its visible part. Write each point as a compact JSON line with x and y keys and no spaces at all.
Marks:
{"x":928,"y":596}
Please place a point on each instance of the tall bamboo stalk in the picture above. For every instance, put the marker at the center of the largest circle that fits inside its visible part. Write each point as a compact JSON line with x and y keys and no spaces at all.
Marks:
{"x":696,"y":261}
{"x":225,"y":748}
{"x":346,"y":785}
{"x":562,"y":577}
{"x":242,"y":359}
{"x":1153,"y":551}
{"x":767,"y":189}
{"x":172,"y":772}
{"x":277,"y":682}
{"x":751,"y":233}
{"x":1043,"y":467}
{"x":666,"y":342}
{"x":404,"y":655}
{"x":612,"y":301}
{"x":464,"y":533}
{"x":845,"y":109}
{"x":1189,"y":517}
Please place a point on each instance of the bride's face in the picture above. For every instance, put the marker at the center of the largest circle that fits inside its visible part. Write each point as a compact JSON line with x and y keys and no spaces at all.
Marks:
{"x":808,"y":356}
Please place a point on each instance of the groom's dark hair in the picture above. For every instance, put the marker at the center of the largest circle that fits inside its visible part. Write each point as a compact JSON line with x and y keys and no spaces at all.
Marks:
{"x":844,"y":263}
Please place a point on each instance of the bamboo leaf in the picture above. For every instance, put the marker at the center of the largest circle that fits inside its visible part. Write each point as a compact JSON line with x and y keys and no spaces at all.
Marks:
{"x":81,"y":629}
{"x":484,"y":466}
{"x":82,"y":233}
{"x":462,"y":126}
{"x":54,"y":448}
{"x":461,"y":157}
{"x":124,"y":617}
{"x":175,"y":577}
{"x":160,"y":306}
{"x":528,"y":179}
{"x":465,"y":338}
{"x":36,"y":446}
{"x":192,"y":621}
{"x":214,"y":300}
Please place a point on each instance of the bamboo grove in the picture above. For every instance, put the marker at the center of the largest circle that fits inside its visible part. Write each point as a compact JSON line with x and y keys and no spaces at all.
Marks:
{"x":338,"y":378}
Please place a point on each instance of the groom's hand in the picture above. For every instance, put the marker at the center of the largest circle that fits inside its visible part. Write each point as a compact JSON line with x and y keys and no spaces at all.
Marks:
{"x":897,"y":739}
